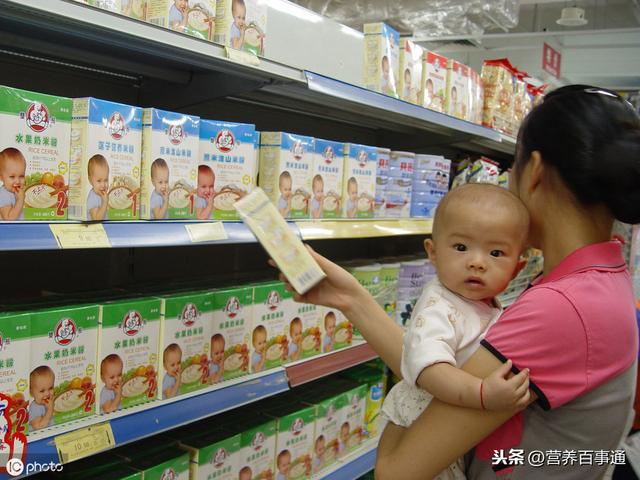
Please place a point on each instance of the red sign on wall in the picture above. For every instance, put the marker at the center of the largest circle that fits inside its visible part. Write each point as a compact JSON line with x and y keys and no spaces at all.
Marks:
{"x":551,"y":59}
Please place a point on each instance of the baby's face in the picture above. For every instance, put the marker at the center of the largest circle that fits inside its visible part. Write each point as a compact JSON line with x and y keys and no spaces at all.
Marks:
{"x":172,"y":363}
{"x":320,"y":448}
{"x":285,"y":187}
{"x":318,"y":189}
{"x":112,"y":374}
{"x":476,"y":252}
{"x":12,"y":175}
{"x":245,"y":475}
{"x":344,"y":433}
{"x":160,"y":180}
{"x":217,"y":351}
{"x":385,"y":69}
{"x":296,"y":333}
{"x":284,"y":463}
{"x":330,"y":326}
{"x":407,"y":80}
{"x":430,"y":89}
{"x":239,"y":15}
{"x":205,"y":185}
{"x":182,"y":5}
{"x":99,"y":178}
{"x":42,"y":389}
{"x":352,"y":191}
{"x":259,"y":342}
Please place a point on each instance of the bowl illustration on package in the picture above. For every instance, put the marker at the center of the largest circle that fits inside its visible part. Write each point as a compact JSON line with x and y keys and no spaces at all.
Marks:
{"x":226,"y":197}
{"x":201,"y":21}
{"x":277,"y":348}
{"x":181,"y":195}
{"x":45,"y":190}
{"x":124,"y":193}
{"x":364,"y":203}
{"x":236,"y":359}
{"x":77,"y":395}
{"x":311,"y":339}
{"x":300,"y":468}
{"x":195,"y":370}
{"x":300,"y":201}
{"x":253,"y":39}
{"x":331,"y":202}
{"x":139,"y":382}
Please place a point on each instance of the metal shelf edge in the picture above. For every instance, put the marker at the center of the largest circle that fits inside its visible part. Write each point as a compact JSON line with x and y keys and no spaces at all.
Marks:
{"x":378,"y":227}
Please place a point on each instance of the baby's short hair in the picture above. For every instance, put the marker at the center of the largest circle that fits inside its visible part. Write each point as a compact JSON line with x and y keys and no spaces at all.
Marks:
{"x":345,"y":425}
{"x":385,"y":59}
{"x":284,"y":176}
{"x":328,"y":317}
{"x":217,"y":338}
{"x":158,"y":163}
{"x":111,"y":358}
{"x":11,"y":153}
{"x":39,"y":372}
{"x":173,"y":348}
{"x":258,"y":330}
{"x":407,"y":71}
{"x":320,"y":439}
{"x":296,"y":322}
{"x":352,"y":181}
{"x":237,"y":3}
{"x":205,"y":170}
{"x":96,"y":161}
{"x":316,"y":179}
{"x":283,"y":454}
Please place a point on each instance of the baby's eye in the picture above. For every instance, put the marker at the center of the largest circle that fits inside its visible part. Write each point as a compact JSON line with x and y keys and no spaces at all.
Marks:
{"x":497,"y":253}
{"x":460,"y":247}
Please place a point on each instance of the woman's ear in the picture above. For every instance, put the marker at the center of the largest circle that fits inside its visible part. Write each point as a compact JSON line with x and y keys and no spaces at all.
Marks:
{"x":522,"y":262}
{"x":430,"y":248}
{"x":536,"y":171}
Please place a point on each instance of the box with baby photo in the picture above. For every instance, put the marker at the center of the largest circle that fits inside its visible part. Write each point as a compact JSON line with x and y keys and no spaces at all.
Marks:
{"x":381,"y":58}
{"x":170,"y":147}
{"x":35,"y":133}
{"x":193,"y":17}
{"x":106,"y":141}
{"x":359,"y":181}
{"x":242,"y":24}
{"x":326,"y":181}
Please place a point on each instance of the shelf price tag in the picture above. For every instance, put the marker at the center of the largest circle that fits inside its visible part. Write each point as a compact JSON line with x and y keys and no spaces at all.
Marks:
{"x":84,"y":442}
{"x":242,"y":57}
{"x":78,"y":235}
{"x":206,"y":232}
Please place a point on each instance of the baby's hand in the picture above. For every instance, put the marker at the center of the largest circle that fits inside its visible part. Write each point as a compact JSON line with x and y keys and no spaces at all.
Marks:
{"x":117,"y":388}
{"x":20,"y":192}
{"x":500,"y":393}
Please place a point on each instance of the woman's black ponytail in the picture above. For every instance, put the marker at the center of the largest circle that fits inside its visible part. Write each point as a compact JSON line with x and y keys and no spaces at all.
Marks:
{"x":592,"y":137}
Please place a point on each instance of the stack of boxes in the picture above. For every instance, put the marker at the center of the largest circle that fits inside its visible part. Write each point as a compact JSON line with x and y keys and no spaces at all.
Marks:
{"x":400,"y":186}
{"x":430,"y":184}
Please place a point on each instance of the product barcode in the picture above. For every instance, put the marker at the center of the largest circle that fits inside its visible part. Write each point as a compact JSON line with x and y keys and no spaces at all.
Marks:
{"x":306,"y":278}
{"x":157,"y":21}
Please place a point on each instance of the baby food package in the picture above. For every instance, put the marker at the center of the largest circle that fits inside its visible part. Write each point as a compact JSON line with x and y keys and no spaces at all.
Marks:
{"x":382,"y":179}
{"x":15,"y":336}
{"x":376,"y":382}
{"x":111,"y":5}
{"x":457,"y":95}
{"x":106,"y":140}
{"x":359,"y":184}
{"x":63,"y":365}
{"x":291,"y":256}
{"x":498,"y":111}
{"x":326,"y":179}
{"x":410,"y":75}
{"x":228,"y":168}
{"x":193,"y":17}
{"x":213,"y":455}
{"x":434,"y":81}
{"x":286,"y":164}
{"x":369,"y":277}
{"x":242,"y":25}
{"x":381,"y":58}
{"x":305,"y":336}
{"x":257,"y":448}
{"x":170,"y":147}
{"x":389,"y":287}
{"x":273,"y":310}
{"x":400,"y":183}
{"x":127,"y":367}
{"x":337,"y":331}
{"x":34,"y":155}
{"x":230,"y":338}
{"x":136,"y":9}
{"x":352,"y":426}
{"x":187,"y":323}
{"x":169,"y":463}
{"x":109,"y":467}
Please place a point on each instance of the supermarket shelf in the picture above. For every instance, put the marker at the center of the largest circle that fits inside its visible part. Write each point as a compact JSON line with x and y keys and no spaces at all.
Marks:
{"x":328,"y":363}
{"x":335,"y":229}
{"x":354,"y":465}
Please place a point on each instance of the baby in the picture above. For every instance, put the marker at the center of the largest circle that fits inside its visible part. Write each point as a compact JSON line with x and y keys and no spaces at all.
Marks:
{"x":453,"y":102}
{"x":171,"y":358}
{"x":385,"y":85}
{"x":319,"y":448}
{"x":98,"y":198}
{"x":159,"y":202}
{"x":295,"y":332}
{"x":406,"y":92}
{"x":178,"y":15}
{"x":259,"y":339}
{"x":284,"y":202}
{"x":343,"y":443}
{"x":12,"y":171}
{"x":205,"y":193}
{"x":284,"y":463}
{"x":479,"y":232}
{"x":330,"y":330}
{"x":428,"y":98}
{"x":245,"y":474}
{"x":318,"y":196}
{"x":239,"y":14}
{"x":111,"y":375}
{"x":41,"y":383}
{"x":352,"y":193}
{"x":216,"y":365}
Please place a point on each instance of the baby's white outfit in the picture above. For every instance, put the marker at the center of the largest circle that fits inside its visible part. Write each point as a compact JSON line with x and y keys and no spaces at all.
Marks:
{"x":444,"y":327}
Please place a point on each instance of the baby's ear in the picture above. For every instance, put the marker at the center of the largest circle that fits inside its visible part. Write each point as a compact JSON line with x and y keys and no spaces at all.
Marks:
{"x":430,"y":248}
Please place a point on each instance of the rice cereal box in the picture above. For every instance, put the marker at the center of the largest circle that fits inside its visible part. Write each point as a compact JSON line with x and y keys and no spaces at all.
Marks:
{"x":106,"y":140}
{"x":410,"y":75}
{"x":193,"y":17}
{"x":337,"y":331}
{"x":136,"y":9}
{"x":257,"y":449}
{"x":15,"y":348}
{"x":214,"y":455}
{"x":376,"y":382}
{"x":434,"y":81}
{"x":242,"y":24}
{"x":273,"y":311}
{"x":381,"y":58}
{"x":34,"y":155}
{"x":359,"y":184}
{"x":304,"y":332}
{"x":169,"y":463}
{"x":457,"y":95}
{"x":352,"y":428}
{"x":128,"y":353}
{"x":326,"y":181}
{"x":286,"y":164}
{"x":170,"y":148}
{"x":228,"y":168}
{"x":325,"y":441}
{"x":63,"y":365}
{"x":187,"y":321}
{"x":232,"y":316}
{"x":295,"y":426}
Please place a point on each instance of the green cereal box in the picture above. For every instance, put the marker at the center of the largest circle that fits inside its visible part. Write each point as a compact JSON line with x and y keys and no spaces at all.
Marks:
{"x":231,"y":333}
{"x":15,"y":348}
{"x":106,"y":139}
{"x":34,"y":155}
{"x":376,"y":382}
{"x":257,"y":450}
{"x":336,"y":330}
{"x":304,"y":332}
{"x":215,"y":455}
{"x":326,"y":181}
{"x":169,"y":463}
{"x":193,"y":17}
{"x":187,"y":321}
{"x":286,"y":165}
{"x":295,"y":427}
{"x":128,"y":353}
{"x":242,"y":25}
{"x":359,"y":183}
{"x":63,"y":365}
{"x":352,"y":427}
{"x":273,"y":310}
{"x":328,"y":408}
{"x":170,"y":143}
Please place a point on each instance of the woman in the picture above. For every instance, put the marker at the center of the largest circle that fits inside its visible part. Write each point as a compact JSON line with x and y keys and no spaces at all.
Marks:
{"x":577,"y":169}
